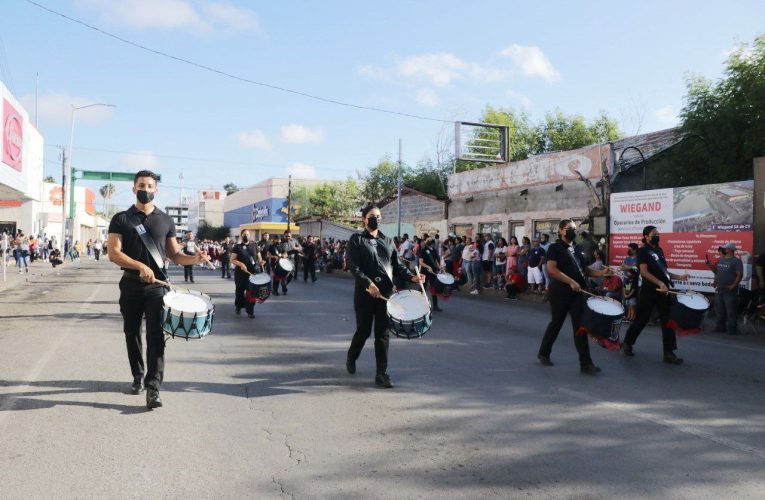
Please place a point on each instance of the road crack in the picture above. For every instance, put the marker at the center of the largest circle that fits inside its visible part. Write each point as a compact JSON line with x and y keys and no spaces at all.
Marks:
{"x":283,"y":492}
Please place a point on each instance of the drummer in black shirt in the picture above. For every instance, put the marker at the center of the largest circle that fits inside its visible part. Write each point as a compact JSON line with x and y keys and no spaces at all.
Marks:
{"x":429,"y":260}
{"x":374,"y":262}
{"x":654,"y":292}
{"x":309,"y":259}
{"x":568,"y":277}
{"x":139,"y":294}
{"x":244,"y":265}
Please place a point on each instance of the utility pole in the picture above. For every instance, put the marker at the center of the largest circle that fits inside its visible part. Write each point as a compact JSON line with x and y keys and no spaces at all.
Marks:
{"x":63,"y":200}
{"x":180,"y":194}
{"x":398,"y":190}
{"x":289,"y":200}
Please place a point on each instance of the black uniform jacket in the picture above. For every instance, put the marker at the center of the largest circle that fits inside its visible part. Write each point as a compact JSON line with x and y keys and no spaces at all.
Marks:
{"x":375,"y":260}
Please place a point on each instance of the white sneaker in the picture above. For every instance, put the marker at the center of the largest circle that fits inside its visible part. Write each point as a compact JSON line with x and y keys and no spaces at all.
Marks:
{"x":474,"y":292}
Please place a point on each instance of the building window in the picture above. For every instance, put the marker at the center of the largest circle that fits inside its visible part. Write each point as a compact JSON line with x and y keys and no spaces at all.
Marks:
{"x":463,"y":230}
{"x":518,"y":229}
{"x":549,"y":227}
{"x":492,"y":228}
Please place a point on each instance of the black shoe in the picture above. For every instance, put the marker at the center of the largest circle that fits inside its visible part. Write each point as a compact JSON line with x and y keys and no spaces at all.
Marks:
{"x":276,"y":293}
{"x":590,"y":369}
{"x":437,"y":309}
{"x":383,"y":380}
{"x":250,"y":316}
{"x":137,"y":386}
{"x":284,"y":292}
{"x":350,"y":365}
{"x":545,"y":360}
{"x":152,"y":399}
{"x":239,"y":310}
{"x":628,"y":350}
{"x":192,"y":281}
{"x":669,"y":357}
{"x":313,"y":280}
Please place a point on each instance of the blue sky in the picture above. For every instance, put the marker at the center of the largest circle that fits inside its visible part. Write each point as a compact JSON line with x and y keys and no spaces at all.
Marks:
{"x":441,"y":59}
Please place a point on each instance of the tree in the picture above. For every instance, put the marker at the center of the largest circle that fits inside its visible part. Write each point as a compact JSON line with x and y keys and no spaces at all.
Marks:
{"x":336,"y":200}
{"x":381,"y":180}
{"x":214,"y":233}
{"x":231,"y":188}
{"x":727,"y":116}
{"x":564,"y":132}
{"x":49,"y":180}
{"x":107,"y":191}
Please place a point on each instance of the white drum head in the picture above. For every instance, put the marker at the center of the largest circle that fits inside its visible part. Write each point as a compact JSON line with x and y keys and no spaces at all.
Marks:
{"x":188,"y":302}
{"x":286,"y":264}
{"x":408,"y":305}
{"x":693,"y":300}
{"x":445,"y":278}
{"x":605,"y":306}
{"x":260,"y":279}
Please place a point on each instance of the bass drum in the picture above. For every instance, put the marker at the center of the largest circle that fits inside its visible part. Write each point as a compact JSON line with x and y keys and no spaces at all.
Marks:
{"x":600,"y":320}
{"x":686,"y":317}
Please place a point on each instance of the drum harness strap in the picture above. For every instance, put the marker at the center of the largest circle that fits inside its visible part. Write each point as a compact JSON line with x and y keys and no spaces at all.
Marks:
{"x":660,"y":264}
{"x":150,"y":245}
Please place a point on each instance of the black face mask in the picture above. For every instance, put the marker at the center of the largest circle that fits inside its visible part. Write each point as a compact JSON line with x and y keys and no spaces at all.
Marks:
{"x":372,"y":223}
{"x":570,"y":234}
{"x":245,"y":239}
{"x":655,"y":240}
{"x":144,"y":196}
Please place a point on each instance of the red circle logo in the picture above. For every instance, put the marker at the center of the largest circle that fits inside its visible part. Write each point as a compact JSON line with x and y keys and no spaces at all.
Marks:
{"x":13,"y":137}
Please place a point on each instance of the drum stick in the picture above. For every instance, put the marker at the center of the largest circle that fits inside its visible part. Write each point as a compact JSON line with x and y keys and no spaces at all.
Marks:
{"x":168,"y":285}
{"x":422,"y":287}
{"x":589,"y":293}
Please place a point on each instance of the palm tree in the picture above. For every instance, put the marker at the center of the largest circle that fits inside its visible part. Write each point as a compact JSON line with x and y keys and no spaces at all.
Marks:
{"x":107,"y":190}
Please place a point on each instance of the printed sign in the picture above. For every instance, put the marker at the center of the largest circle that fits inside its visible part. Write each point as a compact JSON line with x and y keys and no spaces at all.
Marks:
{"x":693,"y":222}
{"x":13,"y":136}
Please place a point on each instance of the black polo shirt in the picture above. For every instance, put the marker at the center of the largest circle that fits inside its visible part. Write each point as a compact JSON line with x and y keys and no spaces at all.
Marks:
{"x":653,"y":257}
{"x":158,"y":225}
{"x":570,"y":262}
{"x":430,"y":258}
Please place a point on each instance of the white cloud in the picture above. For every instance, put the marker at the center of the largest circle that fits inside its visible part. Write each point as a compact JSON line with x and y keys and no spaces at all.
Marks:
{"x":232,"y":16}
{"x":302,"y":171}
{"x":441,"y":69}
{"x":139,"y":160}
{"x":427,"y":97}
{"x":254,"y":139}
{"x":531,"y":61}
{"x":173,"y":14}
{"x":521,"y":98}
{"x":55,"y":109}
{"x":668,"y":115}
{"x":298,"y":134}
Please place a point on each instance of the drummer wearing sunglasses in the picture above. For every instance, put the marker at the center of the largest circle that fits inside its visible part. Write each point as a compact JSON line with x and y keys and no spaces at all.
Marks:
{"x":139,"y":293}
{"x":568,"y":275}
{"x":654,"y":293}
{"x":374,"y":262}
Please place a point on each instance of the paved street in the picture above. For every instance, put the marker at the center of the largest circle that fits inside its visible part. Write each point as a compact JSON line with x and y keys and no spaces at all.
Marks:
{"x":264,"y":408}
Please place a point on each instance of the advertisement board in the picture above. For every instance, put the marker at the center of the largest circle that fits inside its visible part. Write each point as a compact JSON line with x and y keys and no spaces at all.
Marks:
{"x":693,"y":222}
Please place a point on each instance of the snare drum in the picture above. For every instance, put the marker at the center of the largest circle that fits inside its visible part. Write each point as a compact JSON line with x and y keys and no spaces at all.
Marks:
{"x":283,"y":268}
{"x":441,"y":285}
{"x":258,"y":288}
{"x":409,"y":314}
{"x":686,"y":316}
{"x":187,"y":314}
{"x":598,"y":320}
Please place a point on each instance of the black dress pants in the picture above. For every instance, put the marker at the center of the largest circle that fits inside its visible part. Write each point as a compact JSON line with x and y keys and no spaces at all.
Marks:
{"x":225,"y":268}
{"x":188,"y":273}
{"x":309,"y":265}
{"x":563,"y":303}
{"x":370,"y":310}
{"x":648,"y":299}
{"x":241,"y":281}
{"x":137,"y":300}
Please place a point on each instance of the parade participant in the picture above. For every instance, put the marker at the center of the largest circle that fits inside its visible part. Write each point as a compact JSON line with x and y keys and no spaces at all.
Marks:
{"x":278,"y":250}
{"x":653,"y":293}
{"x":309,"y":259}
{"x":225,"y":258}
{"x":263,"y":244}
{"x":189,"y":248}
{"x":375,"y":265}
{"x":568,"y":277}
{"x":142,"y":265}
{"x":244,"y":265}
{"x":430,"y":266}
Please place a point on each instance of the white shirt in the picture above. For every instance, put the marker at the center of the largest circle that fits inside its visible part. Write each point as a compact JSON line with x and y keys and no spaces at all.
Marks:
{"x":487,"y":247}
{"x":404,"y":247}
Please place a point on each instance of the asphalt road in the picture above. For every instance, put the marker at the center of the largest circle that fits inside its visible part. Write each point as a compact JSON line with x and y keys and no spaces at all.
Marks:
{"x":264,"y":408}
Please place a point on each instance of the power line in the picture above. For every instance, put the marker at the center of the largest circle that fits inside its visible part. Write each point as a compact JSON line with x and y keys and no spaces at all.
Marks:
{"x":230,"y":75}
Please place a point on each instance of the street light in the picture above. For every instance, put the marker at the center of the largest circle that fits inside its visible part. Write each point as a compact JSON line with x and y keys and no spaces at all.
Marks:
{"x":68,"y":167}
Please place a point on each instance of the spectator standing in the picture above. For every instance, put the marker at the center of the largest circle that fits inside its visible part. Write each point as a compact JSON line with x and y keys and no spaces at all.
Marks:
{"x":523,"y":256}
{"x":500,"y":263}
{"x":728,"y":273}
{"x":487,"y":260}
{"x":536,"y":261}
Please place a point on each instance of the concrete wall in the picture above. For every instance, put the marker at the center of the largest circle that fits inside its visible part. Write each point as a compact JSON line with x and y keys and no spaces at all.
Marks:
{"x":414,"y":208}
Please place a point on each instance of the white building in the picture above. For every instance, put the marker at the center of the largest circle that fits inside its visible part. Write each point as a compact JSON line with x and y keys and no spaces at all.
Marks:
{"x":208,"y":210}
{"x":21,"y":168}
{"x":180,"y":216}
